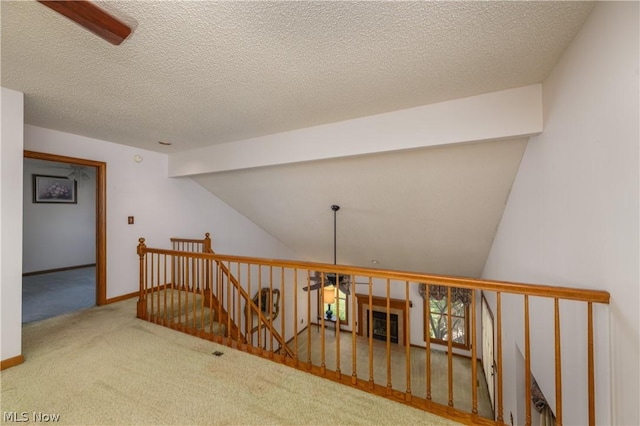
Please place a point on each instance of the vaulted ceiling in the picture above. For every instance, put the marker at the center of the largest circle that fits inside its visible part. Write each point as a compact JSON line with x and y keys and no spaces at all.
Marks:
{"x":199,"y":73}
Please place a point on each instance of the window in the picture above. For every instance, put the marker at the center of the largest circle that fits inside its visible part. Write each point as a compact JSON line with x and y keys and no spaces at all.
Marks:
{"x":437,"y":316}
{"x":341,"y":299}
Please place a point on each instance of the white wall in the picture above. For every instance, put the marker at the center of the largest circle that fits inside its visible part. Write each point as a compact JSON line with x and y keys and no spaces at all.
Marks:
{"x":506,"y":114}
{"x":163,"y":207}
{"x":572,"y":216}
{"x":58,"y":235}
{"x":11,"y":119}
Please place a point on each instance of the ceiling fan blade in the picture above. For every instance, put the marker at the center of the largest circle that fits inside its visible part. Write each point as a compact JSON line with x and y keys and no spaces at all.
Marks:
{"x":345,"y":288}
{"x":312,"y":287}
{"x":90,"y":16}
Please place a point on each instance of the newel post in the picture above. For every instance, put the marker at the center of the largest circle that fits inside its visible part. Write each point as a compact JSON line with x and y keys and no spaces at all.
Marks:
{"x":206,"y":247}
{"x":142,"y":303}
{"x":207,"y":243}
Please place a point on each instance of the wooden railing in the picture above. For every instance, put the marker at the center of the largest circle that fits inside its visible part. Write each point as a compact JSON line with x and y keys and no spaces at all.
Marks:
{"x":417,"y":370}
{"x":182,"y":290}
{"x":215,"y":299}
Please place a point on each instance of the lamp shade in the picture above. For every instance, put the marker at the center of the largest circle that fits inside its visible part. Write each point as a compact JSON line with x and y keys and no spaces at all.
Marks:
{"x":329,"y":294}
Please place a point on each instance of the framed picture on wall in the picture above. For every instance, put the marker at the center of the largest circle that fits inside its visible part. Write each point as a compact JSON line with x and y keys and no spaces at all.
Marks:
{"x":54,"y":189}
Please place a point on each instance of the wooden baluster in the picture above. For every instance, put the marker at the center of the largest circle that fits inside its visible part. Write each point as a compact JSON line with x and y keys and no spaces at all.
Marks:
{"x":558,"y":362}
{"x":449,"y":347}
{"x":370,"y":326}
{"x":282,"y":313}
{"x":173,"y":285}
{"x":248,"y":324}
{"x":354,"y":370}
{"x":337,"y":325}
{"x":166,"y":283}
{"x":238,"y":316}
{"x":207,"y":282}
{"x":229,"y":301}
{"x":427,"y":315}
{"x":219,"y":293}
{"x":190,"y":307}
{"x":210,"y":287}
{"x":527,"y":362}
{"x":153,"y":287}
{"x":499,"y":332}
{"x":591,"y":365}
{"x":474,"y":356}
{"x":234,"y":292}
{"x":270,"y":312}
{"x":295,"y":315}
{"x":180,"y":288}
{"x":388,"y":331}
{"x":203,"y":295}
{"x":407,"y":341}
{"x":260,"y":324}
{"x":309,"y":318}
{"x":323,"y":366}
{"x":159,"y":318}
{"x":194,"y":285}
{"x":187,"y":283}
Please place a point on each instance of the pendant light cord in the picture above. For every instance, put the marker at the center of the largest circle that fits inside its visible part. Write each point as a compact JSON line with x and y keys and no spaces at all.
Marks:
{"x":335,"y":209}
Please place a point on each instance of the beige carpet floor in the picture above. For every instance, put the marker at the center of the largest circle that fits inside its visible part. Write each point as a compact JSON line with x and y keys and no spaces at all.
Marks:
{"x":104,"y":366}
{"x":462,"y":374}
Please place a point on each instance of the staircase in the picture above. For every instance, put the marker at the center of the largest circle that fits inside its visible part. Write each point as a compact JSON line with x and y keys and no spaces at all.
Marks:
{"x":183,"y":311}
{"x":185,"y":290}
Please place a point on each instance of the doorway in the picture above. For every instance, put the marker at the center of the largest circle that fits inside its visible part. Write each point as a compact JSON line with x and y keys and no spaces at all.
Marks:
{"x":488,"y":363}
{"x":100,"y":214}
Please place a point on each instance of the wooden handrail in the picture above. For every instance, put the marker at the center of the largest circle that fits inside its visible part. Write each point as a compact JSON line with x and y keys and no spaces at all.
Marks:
{"x":539,"y":290}
{"x":186,"y":240}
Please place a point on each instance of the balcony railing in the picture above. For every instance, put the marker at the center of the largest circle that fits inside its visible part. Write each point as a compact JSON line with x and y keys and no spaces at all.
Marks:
{"x":275,"y":309}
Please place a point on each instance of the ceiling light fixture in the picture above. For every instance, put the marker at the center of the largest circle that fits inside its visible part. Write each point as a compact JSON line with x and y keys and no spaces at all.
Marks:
{"x":78,"y":173}
{"x":331,"y":279}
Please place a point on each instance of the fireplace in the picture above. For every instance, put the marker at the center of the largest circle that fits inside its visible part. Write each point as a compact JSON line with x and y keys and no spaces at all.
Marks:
{"x":398,"y":315}
{"x":379,"y":328}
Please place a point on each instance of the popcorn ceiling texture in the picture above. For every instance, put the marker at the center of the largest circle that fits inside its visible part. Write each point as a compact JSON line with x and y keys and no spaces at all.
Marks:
{"x":202,"y":73}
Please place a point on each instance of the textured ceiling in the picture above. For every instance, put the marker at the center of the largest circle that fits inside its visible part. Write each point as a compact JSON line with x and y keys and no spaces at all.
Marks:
{"x":201,"y":73}
{"x":197,"y":73}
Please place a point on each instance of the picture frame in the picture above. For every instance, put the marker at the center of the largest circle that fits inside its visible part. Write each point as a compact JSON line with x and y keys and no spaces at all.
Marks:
{"x":54,"y":190}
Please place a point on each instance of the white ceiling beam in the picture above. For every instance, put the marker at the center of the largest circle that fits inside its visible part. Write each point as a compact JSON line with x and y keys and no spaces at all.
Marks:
{"x":504,"y":114}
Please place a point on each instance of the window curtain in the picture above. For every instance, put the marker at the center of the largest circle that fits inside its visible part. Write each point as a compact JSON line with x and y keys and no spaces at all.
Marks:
{"x":439,"y":292}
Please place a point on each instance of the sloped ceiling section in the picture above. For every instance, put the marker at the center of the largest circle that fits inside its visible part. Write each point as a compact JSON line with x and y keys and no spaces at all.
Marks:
{"x":426,"y":210}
